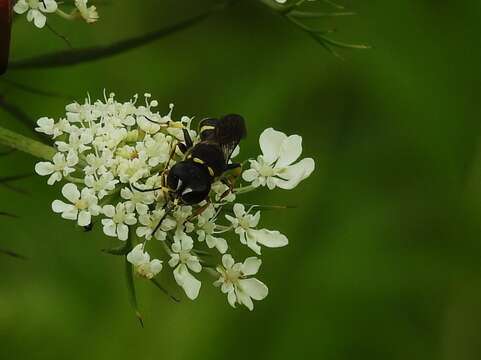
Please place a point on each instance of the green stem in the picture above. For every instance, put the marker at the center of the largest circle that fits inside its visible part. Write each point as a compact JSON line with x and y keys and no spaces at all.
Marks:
{"x":129,"y":275}
{"x":66,"y":16}
{"x":244,"y":189}
{"x":19,"y":142}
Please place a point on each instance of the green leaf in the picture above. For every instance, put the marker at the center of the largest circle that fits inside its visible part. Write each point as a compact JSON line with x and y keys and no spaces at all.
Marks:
{"x":76,"y":56}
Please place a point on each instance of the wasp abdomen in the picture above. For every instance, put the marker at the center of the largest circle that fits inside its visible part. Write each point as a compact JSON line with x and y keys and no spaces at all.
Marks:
{"x":209,"y":155}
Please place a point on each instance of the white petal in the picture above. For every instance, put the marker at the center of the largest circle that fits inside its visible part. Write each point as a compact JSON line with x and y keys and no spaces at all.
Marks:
{"x":108,"y":210}
{"x":84,"y":218}
{"x":294,"y":174}
{"x":188,"y":282}
{"x":270,"y":142}
{"x":290,"y":150}
{"x":21,"y":7}
{"x":251,"y":266}
{"x":70,"y":192}
{"x":70,"y":212}
{"x":269,"y":238}
{"x":48,"y":5}
{"x":245,"y":299}
{"x":39,"y":19}
{"x":254,"y":288}
{"x":59,"y":206}
{"x":72,"y":158}
{"x":231,"y":298}
{"x":239,"y":210}
{"x":155,"y":266}
{"x":110,"y":228}
{"x":122,"y":231}
{"x":194,"y":265}
{"x":227,"y":261}
{"x":250,"y":175}
{"x":44,"y":168}
{"x":56,"y":176}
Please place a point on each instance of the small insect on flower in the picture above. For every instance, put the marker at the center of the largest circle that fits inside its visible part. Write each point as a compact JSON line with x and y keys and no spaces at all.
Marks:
{"x":190,"y":181}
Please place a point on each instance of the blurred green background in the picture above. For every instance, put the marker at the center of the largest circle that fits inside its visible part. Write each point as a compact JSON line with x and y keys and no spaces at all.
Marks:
{"x":385,"y":242}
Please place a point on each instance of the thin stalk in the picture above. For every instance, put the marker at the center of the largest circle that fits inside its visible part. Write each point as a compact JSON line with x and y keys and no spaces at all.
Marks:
{"x":27,"y":145}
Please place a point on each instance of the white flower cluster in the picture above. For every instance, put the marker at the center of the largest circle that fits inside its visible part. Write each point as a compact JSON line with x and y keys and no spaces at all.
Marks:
{"x":108,"y":151}
{"x":36,"y":10}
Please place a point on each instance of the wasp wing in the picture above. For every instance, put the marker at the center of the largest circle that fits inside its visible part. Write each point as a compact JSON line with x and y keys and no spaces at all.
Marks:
{"x":230,"y":130}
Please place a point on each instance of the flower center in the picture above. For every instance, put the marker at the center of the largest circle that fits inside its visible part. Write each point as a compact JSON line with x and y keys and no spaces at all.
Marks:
{"x":184,"y":256}
{"x":244,"y":223}
{"x":81,"y":204}
{"x":232,"y":275}
{"x":266,"y":171}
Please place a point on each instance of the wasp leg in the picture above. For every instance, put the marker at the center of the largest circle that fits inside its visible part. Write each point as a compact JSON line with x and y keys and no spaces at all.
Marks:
{"x":188,"y":140}
{"x":232,"y":166}
{"x":198,"y":212}
{"x":146,"y":190}
{"x":182,"y":147}
{"x":167,"y":209}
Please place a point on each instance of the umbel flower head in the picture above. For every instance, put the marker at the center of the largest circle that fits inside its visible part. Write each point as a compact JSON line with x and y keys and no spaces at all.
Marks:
{"x":36,"y":11}
{"x":113,"y":158}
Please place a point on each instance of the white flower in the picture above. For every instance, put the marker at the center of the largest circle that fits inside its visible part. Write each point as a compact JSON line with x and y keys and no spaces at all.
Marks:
{"x":138,"y":199}
{"x":154,"y":150}
{"x":143,"y":265}
{"x":98,"y":164}
{"x":59,"y":167}
{"x":49,"y":127}
{"x":234,"y":282}
{"x":131,"y":171}
{"x":120,"y":217}
{"x":244,"y":223}
{"x":83,"y":204}
{"x":281,"y":1}
{"x":274,"y":167}
{"x":102,"y":185}
{"x":222,"y":192}
{"x":89,"y":14}
{"x":183,"y":261}
{"x":206,"y":230}
{"x":35,"y":10}
{"x":150,"y":222}
{"x":77,"y":143}
{"x":181,"y":215}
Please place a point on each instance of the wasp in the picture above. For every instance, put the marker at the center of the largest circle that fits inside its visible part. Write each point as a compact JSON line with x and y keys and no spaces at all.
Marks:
{"x":189,"y":181}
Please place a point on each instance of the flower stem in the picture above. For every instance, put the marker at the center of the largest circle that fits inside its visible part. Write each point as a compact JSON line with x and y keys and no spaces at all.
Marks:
{"x":66,"y":16}
{"x":19,"y":142}
{"x":243,"y":190}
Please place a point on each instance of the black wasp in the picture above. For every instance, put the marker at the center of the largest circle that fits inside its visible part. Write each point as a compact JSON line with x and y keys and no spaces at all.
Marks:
{"x":189,"y":181}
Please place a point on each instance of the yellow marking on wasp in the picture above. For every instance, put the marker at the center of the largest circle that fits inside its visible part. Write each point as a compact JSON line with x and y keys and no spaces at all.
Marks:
{"x":199,"y":161}
{"x":207,"y":127}
{"x":211,"y":172}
